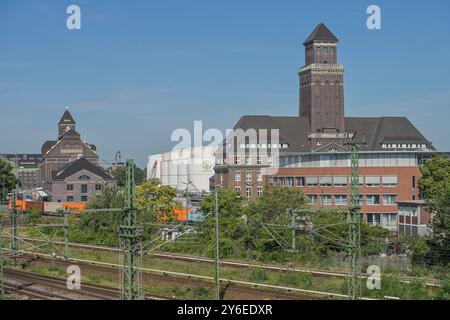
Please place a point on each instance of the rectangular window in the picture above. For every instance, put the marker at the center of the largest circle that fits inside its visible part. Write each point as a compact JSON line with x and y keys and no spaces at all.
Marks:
{"x":389,"y":199}
{"x":372,"y":199}
{"x":98,"y":187}
{"x":327,"y":200}
{"x":69,"y":198}
{"x":258,"y":160}
{"x":373,"y":219}
{"x":248,"y":176}
{"x":84,"y":198}
{"x":325,"y":181}
{"x":340,"y":199}
{"x":238,"y":189}
{"x":372,"y":181}
{"x":248,"y":160}
{"x":237,"y":176}
{"x":70,"y":187}
{"x":248,"y":192}
{"x":312,"y":199}
{"x":311,"y":181}
{"x":84,"y":188}
{"x":282,"y":181}
{"x":260,"y":191}
{"x":237,"y":160}
{"x":300,"y":181}
{"x":290,"y":181}
{"x":340,"y":181}
{"x":389,"y":181}
{"x":259,"y":175}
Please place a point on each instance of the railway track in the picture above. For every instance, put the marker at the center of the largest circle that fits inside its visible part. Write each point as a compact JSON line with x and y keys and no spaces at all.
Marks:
{"x":55,"y":288}
{"x":87,"y":292}
{"x":231,"y":289}
{"x":235,"y":264}
{"x":31,"y":293}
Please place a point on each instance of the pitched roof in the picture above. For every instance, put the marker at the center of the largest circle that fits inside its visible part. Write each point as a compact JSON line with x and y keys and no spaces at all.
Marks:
{"x":321,"y":33}
{"x":47,"y":146}
{"x":78,"y":165}
{"x":294,"y":130}
{"x":385,"y":129}
{"x":67,"y":118}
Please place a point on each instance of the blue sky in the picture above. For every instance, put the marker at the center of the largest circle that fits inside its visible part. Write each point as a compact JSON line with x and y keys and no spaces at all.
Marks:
{"x":137,"y":70}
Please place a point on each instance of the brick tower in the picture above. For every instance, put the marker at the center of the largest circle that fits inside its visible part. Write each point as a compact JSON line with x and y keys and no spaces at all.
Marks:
{"x":322,"y":90}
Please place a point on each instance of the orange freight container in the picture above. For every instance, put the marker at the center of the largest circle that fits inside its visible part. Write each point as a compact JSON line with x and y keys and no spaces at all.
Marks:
{"x":74,"y":206}
{"x":178,"y":214}
{"x":22,"y":205}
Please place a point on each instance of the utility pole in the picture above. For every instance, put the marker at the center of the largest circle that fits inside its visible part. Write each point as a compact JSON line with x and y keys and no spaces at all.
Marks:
{"x":294,"y":229}
{"x":15,"y":196}
{"x":2,"y":291}
{"x":130,"y":235}
{"x":66,"y":236}
{"x":13,"y":241}
{"x":217,"y":277}
{"x":354,"y":221}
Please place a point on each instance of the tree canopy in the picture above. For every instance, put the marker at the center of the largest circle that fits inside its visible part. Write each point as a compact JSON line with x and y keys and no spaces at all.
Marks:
{"x":7,"y":178}
{"x":435,"y":187}
{"x":120,"y":174}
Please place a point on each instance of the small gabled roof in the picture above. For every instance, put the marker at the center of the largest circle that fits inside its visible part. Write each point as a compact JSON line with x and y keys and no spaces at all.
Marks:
{"x":321,"y":33}
{"x":67,"y":118}
{"x":81,"y":164}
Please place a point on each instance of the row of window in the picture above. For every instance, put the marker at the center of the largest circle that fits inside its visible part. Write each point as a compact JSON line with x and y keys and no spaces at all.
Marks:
{"x":342,"y":199}
{"x":248,"y":160}
{"x":386,"y":220}
{"x":408,"y":211}
{"x":248,"y":191}
{"x":84,"y":187}
{"x":82,"y":199}
{"x":403,"y":145}
{"x":248,"y":176}
{"x":336,"y":181}
{"x":263,"y":145}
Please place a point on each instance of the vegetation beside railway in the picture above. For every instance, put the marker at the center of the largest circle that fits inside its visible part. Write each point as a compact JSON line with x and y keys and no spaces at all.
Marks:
{"x":243,"y":238}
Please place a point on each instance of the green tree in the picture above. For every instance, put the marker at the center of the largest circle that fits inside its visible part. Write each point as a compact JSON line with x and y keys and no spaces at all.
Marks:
{"x":100,"y":227}
{"x":152,"y":194}
{"x":7,"y":179}
{"x":435,"y":186}
{"x":229,"y":203}
{"x":120,"y":174}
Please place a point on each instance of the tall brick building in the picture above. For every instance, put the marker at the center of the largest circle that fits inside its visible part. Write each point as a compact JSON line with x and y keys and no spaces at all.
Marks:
{"x":311,"y":152}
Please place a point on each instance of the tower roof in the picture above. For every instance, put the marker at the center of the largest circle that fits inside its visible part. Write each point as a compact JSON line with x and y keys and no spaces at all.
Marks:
{"x":67,"y":118}
{"x":321,"y":33}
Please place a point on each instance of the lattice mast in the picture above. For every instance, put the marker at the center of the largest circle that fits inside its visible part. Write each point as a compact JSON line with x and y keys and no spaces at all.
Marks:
{"x":130,"y":237}
{"x":354,"y":221}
